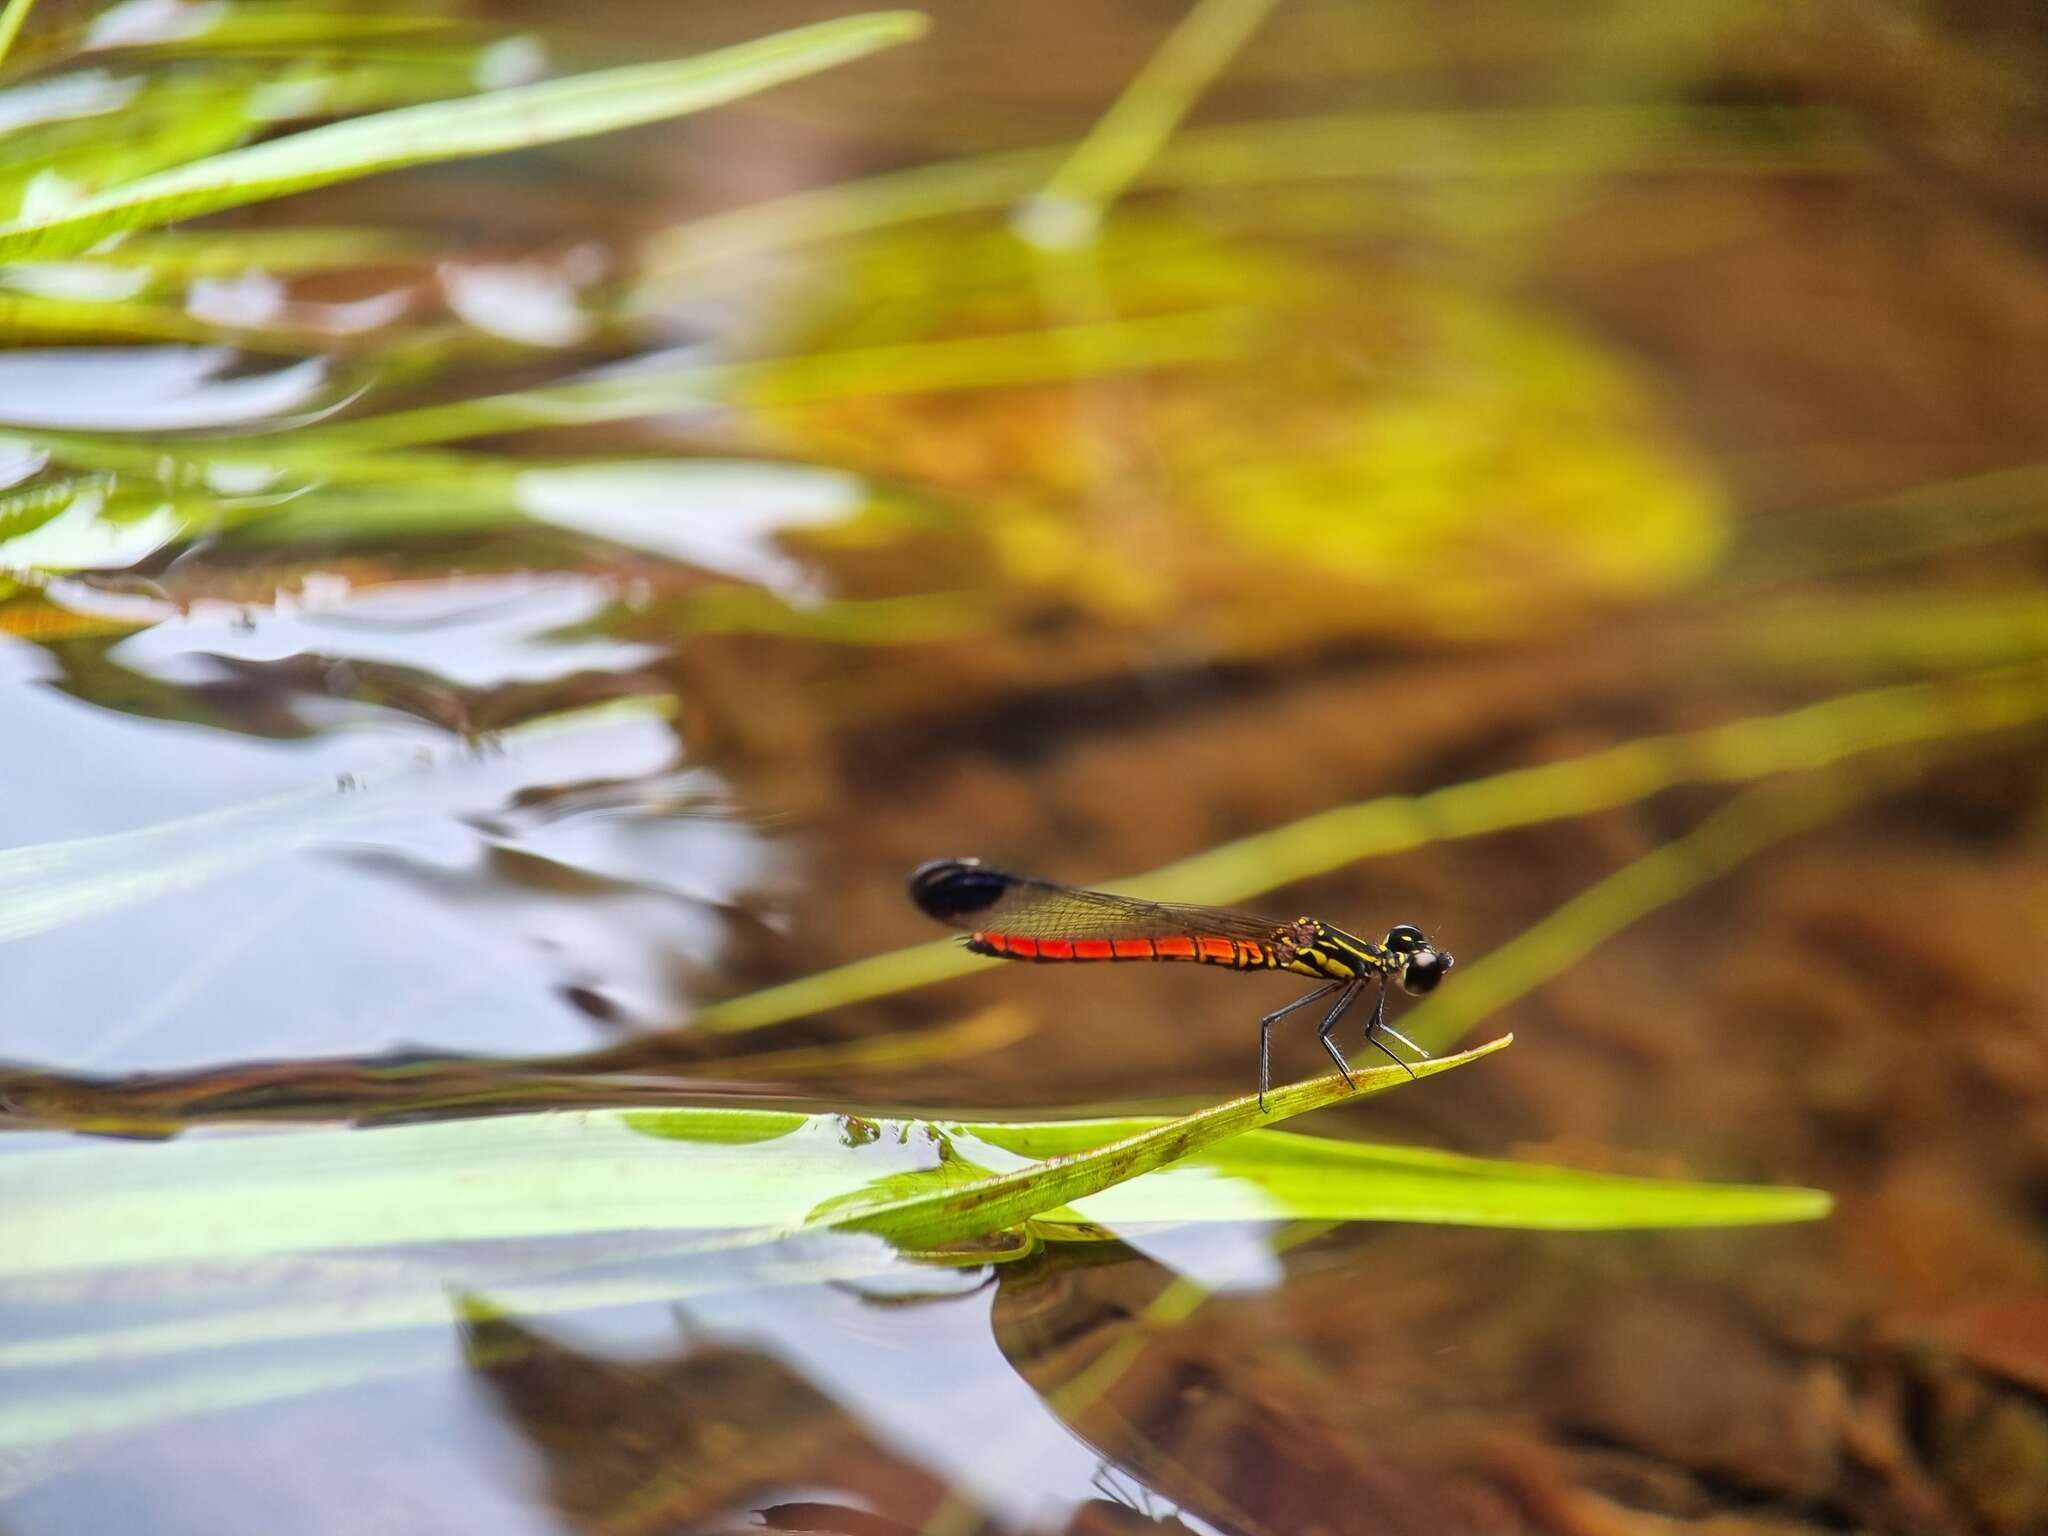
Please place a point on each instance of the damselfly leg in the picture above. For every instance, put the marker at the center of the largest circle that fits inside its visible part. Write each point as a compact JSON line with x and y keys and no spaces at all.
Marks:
{"x":1337,"y":1011}
{"x":1377,"y":1025}
{"x":1266,"y":1035}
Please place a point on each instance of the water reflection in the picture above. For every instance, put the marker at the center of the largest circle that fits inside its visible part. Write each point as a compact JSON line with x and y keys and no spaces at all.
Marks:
{"x":706,"y":1433}
{"x":720,"y":517}
{"x":1109,"y":1341}
{"x":149,"y":389}
{"x":382,"y":886}
{"x":821,"y":1414}
{"x":465,"y":634}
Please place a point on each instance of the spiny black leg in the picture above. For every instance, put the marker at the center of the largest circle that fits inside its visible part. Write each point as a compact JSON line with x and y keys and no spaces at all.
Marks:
{"x":1266,"y":1037}
{"x":1343,"y":1003}
{"x":1378,"y":1022}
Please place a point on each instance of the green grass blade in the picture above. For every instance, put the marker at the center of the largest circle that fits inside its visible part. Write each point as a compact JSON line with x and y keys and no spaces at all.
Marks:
{"x":529,"y":1206}
{"x":962,"y":362}
{"x":1143,"y":118}
{"x":933,"y":1218}
{"x":516,"y":118}
{"x":303,"y":248}
{"x":1755,"y":820}
{"x":725,"y":1175}
{"x":1914,"y":525}
{"x":1905,"y":632}
{"x":1496,"y":145}
{"x":1283,"y":1176}
{"x":10,"y":25}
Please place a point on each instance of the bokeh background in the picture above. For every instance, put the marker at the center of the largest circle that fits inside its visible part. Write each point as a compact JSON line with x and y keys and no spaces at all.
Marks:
{"x":1569,"y":478}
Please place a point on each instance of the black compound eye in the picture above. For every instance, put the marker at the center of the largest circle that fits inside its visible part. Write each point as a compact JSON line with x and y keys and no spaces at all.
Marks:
{"x":1425,"y":968}
{"x":955,"y":888}
{"x":1405,"y":939}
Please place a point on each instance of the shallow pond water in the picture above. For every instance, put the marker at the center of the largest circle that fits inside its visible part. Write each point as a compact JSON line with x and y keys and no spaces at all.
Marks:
{"x":481,"y":647}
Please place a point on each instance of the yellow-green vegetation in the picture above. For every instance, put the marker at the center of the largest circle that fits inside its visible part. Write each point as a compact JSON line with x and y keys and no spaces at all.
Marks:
{"x":491,"y":123}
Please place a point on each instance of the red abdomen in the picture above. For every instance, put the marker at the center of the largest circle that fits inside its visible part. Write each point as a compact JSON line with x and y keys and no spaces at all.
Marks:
{"x":1238,"y":954}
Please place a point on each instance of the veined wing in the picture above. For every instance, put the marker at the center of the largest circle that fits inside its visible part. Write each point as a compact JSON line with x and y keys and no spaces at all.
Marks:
{"x":968,"y":894}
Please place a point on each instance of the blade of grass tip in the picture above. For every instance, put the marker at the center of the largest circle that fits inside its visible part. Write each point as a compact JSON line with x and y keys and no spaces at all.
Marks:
{"x":927,"y":1220}
{"x":10,"y":25}
{"x":519,"y":117}
{"x":1814,"y":736}
{"x":230,"y":252}
{"x":1283,"y":1173}
{"x":1117,"y":150}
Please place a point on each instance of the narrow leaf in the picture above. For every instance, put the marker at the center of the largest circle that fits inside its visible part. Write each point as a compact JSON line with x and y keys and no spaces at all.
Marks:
{"x":517,"y":118}
{"x":930,"y":1219}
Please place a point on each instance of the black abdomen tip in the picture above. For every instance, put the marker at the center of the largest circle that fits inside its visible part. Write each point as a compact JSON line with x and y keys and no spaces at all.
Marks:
{"x":953,"y":888}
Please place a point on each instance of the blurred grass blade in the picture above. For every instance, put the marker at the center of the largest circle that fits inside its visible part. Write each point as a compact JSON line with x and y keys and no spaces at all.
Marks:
{"x":1815,"y":736}
{"x":1913,"y":525}
{"x":1143,"y":118}
{"x":1905,"y":632}
{"x":966,"y":362}
{"x":10,"y":25}
{"x":516,"y":118}
{"x":94,"y":133}
{"x":46,"y":885}
{"x":1496,"y":145}
{"x":231,"y":25}
{"x":1755,"y":820}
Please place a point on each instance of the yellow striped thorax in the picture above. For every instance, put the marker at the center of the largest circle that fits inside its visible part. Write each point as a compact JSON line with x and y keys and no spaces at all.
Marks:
{"x":1310,"y":948}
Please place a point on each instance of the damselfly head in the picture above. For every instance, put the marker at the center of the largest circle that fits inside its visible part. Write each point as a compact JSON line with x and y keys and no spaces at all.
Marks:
{"x":1422,"y":965}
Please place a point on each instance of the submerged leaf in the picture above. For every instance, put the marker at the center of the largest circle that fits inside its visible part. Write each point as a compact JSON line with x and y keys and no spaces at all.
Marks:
{"x":1399,"y":455}
{"x":1516,"y":470}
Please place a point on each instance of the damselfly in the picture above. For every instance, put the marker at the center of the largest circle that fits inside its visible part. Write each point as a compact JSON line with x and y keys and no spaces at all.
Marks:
{"x":1017,"y":918}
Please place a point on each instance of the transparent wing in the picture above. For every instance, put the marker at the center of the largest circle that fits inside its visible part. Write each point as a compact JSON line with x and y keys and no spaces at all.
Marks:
{"x":970,"y":895}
